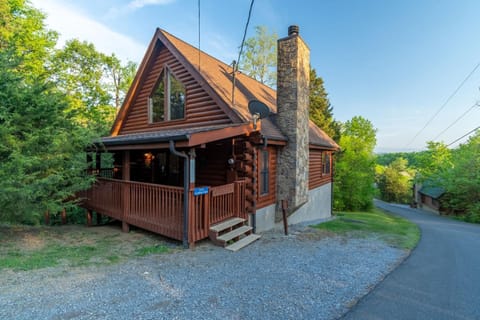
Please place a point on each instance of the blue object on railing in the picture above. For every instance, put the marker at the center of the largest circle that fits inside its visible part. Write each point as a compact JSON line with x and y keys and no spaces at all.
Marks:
{"x":200,"y":191}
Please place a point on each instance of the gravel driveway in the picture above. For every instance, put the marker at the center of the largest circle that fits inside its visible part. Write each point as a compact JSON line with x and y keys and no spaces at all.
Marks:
{"x":307,"y":275}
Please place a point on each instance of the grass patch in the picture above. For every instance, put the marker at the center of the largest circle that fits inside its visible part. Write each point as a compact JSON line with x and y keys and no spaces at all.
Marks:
{"x":151,"y":250}
{"x":394,"y":230}
{"x":48,"y":257}
{"x":29,"y":248}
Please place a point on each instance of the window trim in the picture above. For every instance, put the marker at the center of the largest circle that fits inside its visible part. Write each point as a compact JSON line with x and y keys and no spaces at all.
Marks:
{"x":326,"y":170}
{"x":264,"y":181}
{"x":166,"y":78}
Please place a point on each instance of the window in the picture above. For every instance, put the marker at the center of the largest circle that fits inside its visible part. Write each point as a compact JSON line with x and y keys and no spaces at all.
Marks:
{"x":326,"y":163}
{"x":264,"y":174}
{"x":167,"y":101}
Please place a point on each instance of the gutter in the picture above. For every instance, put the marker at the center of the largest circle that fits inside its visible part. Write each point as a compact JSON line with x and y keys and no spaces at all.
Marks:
{"x":186,"y":183}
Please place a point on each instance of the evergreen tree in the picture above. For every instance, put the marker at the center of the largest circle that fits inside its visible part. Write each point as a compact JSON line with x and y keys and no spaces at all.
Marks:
{"x":41,"y":155}
{"x":321,"y":111}
{"x":259,"y":61}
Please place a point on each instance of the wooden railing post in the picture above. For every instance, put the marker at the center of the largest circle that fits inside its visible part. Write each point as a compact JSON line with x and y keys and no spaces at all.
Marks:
{"x":206,"y":211}
{"x":126,"y":206}
{"x":236,"y":196}
{"x":191,"y":218}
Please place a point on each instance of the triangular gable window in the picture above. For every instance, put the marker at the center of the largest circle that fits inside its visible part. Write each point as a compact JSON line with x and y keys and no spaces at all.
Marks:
{"x":167,"y":101}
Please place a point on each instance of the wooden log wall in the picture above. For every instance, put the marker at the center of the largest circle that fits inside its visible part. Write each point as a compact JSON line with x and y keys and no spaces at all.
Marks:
{"x":316,"y":177}
{"x":200,"y":109}
{"x":264,"y":200}
{"x":211,"y":163}
{"x":245,"y":164}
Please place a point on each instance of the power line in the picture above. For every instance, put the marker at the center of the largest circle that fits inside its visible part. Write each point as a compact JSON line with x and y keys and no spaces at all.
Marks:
{"x":466,"y":134}
{"x":236,"y":63}
{"x":445,"y":103}
{"x":245,"y":34}
{"x":458,"y":119}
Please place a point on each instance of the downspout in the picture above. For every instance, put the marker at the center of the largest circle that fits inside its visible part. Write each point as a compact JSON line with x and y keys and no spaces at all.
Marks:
{"x":186,"y":183}
{"x":254,"y":215}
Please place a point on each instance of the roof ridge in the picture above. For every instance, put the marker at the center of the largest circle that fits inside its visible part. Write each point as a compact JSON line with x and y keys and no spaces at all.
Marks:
{"x":216,"y":59}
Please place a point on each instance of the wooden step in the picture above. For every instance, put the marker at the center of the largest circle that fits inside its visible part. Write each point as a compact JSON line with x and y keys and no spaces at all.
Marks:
{"x":235,"y":233}
{"x":243,"y":242}
{"x":226,"y":224}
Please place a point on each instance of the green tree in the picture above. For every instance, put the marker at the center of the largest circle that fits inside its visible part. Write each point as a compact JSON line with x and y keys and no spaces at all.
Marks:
{"x":259,"y":59}
{"x":24,"y":35}
{"x":80,"y":70}
{"x":461,"y":180}
{"x":321,"y":111}
{"x":395,"y":181}
{"x":42,"y":163}
{"x":434,"y":162}
{"x":95,"y":83}
{"x":355,"y":166}
{"x":119,"y":78}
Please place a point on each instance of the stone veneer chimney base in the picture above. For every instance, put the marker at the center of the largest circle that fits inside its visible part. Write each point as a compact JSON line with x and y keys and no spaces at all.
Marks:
{"x":293,"y":79}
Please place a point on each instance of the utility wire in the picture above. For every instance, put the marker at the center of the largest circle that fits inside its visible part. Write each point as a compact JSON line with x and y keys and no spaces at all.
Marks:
{"x":458,"y":119}
{"x":236,"y":63}
{"x":245,"y":34}
{"x":444,"y":104}
{"x":466,"y":134}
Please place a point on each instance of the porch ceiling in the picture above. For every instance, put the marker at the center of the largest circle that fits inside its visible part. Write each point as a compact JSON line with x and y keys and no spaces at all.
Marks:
{"x":185,"y":137}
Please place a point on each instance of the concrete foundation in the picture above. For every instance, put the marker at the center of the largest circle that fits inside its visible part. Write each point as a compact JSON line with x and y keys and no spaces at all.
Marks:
{"x":317,"y":207}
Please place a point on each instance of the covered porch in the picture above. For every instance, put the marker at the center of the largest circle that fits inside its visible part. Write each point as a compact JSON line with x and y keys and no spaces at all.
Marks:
{"x":176,"y":186}
{"x":160,"y":208}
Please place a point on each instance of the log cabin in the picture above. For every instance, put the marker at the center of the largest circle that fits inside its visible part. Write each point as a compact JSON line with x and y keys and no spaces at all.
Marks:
{"x":190,"y":159}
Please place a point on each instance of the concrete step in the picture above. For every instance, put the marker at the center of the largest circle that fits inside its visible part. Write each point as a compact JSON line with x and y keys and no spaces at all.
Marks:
{"x":243,"y":242}
{"x":235,"y":233}
{"x":219,"y":227}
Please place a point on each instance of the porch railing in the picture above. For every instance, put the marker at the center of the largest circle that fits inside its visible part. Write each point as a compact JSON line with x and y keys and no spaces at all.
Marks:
{"x":159,"y":208}
{"x":225,"y":201}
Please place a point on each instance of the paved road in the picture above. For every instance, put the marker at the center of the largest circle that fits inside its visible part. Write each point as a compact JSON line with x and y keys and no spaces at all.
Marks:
{"x":440,"y":280}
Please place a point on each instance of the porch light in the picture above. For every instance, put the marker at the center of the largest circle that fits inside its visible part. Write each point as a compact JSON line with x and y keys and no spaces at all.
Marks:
{"x":148,"y":158}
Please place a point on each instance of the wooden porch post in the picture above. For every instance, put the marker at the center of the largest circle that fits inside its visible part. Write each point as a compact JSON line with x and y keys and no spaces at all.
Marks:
{"x":192,"y":168}
{"x":98,"y":162}
{"x":64,"y":216}
{"x":89,"y":217}
{"x":126,"y":190}
{"x":89,"y":163}
{"x":126,"y":165}
{"x":192,"y":208}
{"x":47,"y":217}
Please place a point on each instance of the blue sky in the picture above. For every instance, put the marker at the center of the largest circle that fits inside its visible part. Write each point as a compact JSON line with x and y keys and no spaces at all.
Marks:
{"x":392,"y":62}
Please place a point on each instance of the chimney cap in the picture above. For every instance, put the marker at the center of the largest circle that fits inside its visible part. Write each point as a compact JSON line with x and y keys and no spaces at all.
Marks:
{"x":293,"y":30}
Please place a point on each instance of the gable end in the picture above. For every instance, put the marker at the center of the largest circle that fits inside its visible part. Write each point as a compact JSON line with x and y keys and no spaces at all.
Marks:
{"x":200,"y":108}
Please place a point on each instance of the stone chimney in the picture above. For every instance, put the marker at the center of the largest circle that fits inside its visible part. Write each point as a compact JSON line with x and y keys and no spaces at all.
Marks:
{"x":293,"y":78}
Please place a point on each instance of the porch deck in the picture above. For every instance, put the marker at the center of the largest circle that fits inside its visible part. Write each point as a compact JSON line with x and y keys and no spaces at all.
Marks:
{"x":159,"y":208}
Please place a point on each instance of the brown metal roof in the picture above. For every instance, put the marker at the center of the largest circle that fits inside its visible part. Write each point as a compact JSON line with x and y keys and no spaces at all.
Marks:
{"x":217,"y":76}
{"x":186,"y":137}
